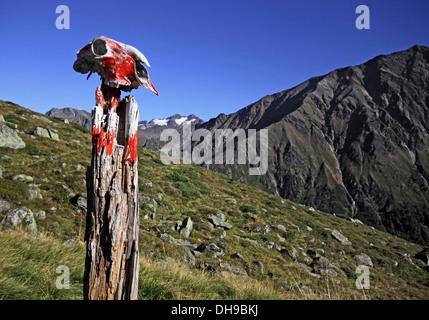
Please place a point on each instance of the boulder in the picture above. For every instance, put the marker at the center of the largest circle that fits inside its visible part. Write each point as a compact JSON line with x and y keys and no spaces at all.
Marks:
{"x":255,"y":267}
{"x":41,"y":132}
{"x":261,"y":229}
{"x":22,"y":178}
{"x":71,"y":242}
{"x":4,"y":205}
{"x":10,"y":139}
{"x":186,"y":227}
{"x":210,"y":249}
{"x":80,"y":200}
{"x":219,"y":220}
{"x":46,"y":133}
{"x":280,"y":227}
{"x":20,"y":216}
{"x":34,"y":192}
{"x":338,"y":236}
{"x":365,"y":259}
{"x":239,"y":272}
{"x":40,"y":215}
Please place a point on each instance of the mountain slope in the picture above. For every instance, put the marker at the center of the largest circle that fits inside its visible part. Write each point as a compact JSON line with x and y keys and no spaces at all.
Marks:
{"x":354,"y":142}
{"x":81,"y":117}
{"x":244,"y":243}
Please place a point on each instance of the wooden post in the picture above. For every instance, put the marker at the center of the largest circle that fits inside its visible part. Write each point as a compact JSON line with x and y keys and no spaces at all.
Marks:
{"x":112,"y":228}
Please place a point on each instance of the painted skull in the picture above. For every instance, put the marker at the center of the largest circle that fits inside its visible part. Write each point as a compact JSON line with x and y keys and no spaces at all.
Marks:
{"x":119,"y":65}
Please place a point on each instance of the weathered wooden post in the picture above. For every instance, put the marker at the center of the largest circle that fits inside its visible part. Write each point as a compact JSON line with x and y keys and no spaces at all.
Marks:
{"x":112,"y":224}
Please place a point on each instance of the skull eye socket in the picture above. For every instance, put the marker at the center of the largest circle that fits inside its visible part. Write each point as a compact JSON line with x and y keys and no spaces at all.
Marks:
{"x":99,"y":47}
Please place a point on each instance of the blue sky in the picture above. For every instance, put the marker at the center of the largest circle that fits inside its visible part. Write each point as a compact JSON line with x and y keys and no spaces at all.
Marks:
{"x":207,"y":56}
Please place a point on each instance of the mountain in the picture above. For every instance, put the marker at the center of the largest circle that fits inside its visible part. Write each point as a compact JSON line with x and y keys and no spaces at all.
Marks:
{"x":81,"y":117}
{"x":149,"y":131}
{"x":353,"y":142}
{"x":202,"y":235}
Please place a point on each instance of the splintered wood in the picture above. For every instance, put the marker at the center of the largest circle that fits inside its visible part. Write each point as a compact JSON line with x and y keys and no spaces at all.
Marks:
{"x":112,"y":258}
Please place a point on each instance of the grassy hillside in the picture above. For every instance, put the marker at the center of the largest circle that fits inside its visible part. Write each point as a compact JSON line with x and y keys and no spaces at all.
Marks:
{"x":276,"y":249}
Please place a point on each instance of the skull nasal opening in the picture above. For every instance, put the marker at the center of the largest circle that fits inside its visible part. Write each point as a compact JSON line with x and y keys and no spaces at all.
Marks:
{"x":99,"y":47}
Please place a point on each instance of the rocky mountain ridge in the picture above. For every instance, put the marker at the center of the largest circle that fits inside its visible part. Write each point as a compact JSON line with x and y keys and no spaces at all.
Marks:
{"x":353,"y":142}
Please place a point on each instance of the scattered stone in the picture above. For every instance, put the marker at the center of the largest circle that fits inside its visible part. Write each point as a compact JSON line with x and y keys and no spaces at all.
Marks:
{"x":186,"y":227}
{"x":365,"y":259}
{"x":178,"y":242}
{"x":210,"y":249}
{"x":261,"y":229}
{"x":280,"y":227}
{"x":329,"y":272}
{"x":41,"y":132}
{"x":1,"y":171}
{"x":237,"y":256}
{"x":6,"y":157}
{"x":233,"y":269}
{"x":304,"y":267}
{"x":159,"y":196}
{"x":311,"y":209}
{"x":19,"y":216}
{"x":46,"y":133}
{"x":150,"y":216}
{"x":231,"y":200}
{"x":338,"y":236}
{"x":22,"y":178}
{"x":291,"y":252}
{"x":4,"y":205}
{"x":143,"y":198}
{"x":255,"y":267}
{"x":219,"y":220}
{"x":34,"y":192}
{"x":80,"y":200}
{"x":148,"y":184}
{"x":57,"y":171}
{"x":272,"y":245}
{"x":10,"y":139}
{"x":189,"y":259}
{"x":71,"y":242}
{"x":40,"y":215}
{"x":52,"y":159}
{"x":321,"y":261}
{"x":357,"y":221}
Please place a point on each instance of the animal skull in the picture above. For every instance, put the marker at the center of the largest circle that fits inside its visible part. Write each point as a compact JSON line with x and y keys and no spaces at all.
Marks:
{"x":119,"y":65}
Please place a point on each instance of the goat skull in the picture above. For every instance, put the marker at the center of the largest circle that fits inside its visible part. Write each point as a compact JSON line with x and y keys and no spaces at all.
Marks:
{"x":119,"y":65}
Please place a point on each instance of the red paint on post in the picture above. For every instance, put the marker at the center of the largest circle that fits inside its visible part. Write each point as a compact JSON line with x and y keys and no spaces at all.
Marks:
{"x":101,"y":138}
{"x":132,"y":148}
